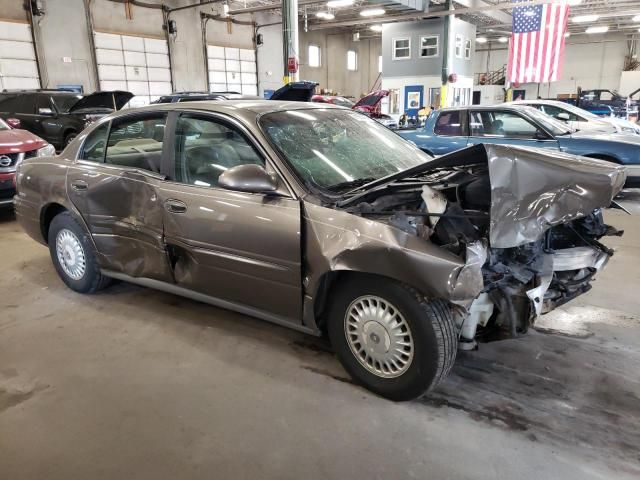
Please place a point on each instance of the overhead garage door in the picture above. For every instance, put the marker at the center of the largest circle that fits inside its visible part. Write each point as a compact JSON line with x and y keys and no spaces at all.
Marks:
{"x":139,"y":65}
{"x":18,"y":67}
{"x":232,"y":69}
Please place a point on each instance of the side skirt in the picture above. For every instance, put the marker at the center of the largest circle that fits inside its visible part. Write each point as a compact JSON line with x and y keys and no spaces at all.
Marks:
{"x":217,"y":302}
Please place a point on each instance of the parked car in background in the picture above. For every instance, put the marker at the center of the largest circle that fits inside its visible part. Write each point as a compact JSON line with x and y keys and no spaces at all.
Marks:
{"x":602,"y":101}
{"x":15,"y":146}
{"x":397,"y":247}
{"x":333,"y":100}
{"x":202,"y":96}
{"x":454,"y":128}
{"x":580,"y":119}
{"x":58,"y":116}
{"x":370,"y":105}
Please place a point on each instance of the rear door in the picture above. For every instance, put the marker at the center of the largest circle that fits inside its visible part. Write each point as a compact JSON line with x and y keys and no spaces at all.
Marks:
{"x":114,"y":184}
{"x":506,"y":127}
{"x":235,"y":246}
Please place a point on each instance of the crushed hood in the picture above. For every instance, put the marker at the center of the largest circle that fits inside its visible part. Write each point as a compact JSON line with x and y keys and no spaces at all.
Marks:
{"x":295,"y":91}
{"x":531,"y":189}
{"x":112,"y":100}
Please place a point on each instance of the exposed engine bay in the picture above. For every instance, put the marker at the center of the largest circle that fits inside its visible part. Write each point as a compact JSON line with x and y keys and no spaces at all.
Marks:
{"x":529,"y":266}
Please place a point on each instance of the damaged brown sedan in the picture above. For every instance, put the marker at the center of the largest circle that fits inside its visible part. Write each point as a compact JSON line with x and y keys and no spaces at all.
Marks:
{"x":320,"y":219}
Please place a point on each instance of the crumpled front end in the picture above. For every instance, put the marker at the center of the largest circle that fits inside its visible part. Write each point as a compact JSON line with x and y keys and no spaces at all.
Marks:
{"x":527,"y":224}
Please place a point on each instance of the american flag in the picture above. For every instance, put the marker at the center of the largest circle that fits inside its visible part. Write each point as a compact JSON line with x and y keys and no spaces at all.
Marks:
{"x":536,"y":47}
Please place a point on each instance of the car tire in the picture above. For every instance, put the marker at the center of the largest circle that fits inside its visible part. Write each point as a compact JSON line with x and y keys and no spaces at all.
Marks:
{"x":432,"y":337}
{"x":73,"y":255}
{"x":69,"y":137}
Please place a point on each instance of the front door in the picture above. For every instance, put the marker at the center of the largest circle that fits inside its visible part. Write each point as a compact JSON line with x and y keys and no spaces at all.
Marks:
{"x":114,"y":185}
{"x":236,"y":246}
{"x":505,"y":127}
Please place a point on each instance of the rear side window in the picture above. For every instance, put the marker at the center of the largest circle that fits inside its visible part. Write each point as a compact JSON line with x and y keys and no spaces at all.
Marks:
{"x":18,"y":104}
{"x":95,"y":143}
{"x":449,"y":124}
{"x":137,"y":142}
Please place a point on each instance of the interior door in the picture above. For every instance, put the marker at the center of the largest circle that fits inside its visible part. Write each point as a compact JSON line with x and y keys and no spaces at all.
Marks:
{"x":236,"y":246}
{"x":114,"y":185}
{"x":506,"y":127}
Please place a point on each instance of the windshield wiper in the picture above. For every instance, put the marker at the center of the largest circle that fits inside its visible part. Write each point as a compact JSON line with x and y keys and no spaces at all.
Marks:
{"x":351,"y":184}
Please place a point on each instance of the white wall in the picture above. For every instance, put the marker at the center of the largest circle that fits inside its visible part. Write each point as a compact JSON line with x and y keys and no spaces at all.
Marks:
{"x":587,"y":63}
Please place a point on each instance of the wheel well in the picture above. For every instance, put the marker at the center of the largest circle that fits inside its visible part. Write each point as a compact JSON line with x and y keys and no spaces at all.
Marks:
{"x":328,"y":284}
{"x":47,"y":215}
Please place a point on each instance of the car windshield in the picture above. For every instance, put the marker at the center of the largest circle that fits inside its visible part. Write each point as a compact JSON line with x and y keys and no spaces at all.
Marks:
{"x":4,"y":126}
{"x":575,"y":110}
{"x":555,"y":127}
{"x":65,"y":102}
{"x":336,"y":150}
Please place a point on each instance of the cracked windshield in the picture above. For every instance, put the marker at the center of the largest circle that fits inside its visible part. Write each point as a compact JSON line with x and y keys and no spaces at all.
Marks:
{"x":337,"y":150}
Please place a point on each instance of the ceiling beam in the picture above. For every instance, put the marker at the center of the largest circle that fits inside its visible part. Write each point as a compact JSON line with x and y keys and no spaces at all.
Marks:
{"x":430,"y":14}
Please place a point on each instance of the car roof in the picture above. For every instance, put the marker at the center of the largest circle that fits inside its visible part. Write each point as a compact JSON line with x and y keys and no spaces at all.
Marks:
{"x":245,"y":109}
{"x":501,"y":106}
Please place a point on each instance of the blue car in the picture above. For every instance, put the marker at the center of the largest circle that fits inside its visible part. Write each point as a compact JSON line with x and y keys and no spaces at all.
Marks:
{"x":450,"y":129}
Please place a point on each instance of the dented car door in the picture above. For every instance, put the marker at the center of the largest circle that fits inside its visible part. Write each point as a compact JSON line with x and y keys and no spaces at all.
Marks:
{"x":235,"y":246}
{"x":114,"y":185}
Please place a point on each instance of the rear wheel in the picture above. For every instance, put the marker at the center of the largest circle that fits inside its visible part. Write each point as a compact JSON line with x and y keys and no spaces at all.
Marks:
{"x":73,"y":255}
{"x":390,"y":338}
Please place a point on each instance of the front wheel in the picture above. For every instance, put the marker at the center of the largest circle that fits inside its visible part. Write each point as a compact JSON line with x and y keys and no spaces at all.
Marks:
{"x":390,"y":338}
{"x":73,"y":255}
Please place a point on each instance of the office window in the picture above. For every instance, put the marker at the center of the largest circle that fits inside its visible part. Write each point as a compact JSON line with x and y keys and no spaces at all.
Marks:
{"x":458,"y":44}
{"x":401,"y":48}
{"x":467,"y":49}
{"x":352,"y":60}
{"x":314,"y":56}
{"x":429,"y":46}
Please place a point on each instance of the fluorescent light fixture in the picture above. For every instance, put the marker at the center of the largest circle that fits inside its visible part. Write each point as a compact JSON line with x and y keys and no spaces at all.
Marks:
{"x":372,"y":12}
{"x":481,"y":39}
{"x":585,"y":18}
{"x":340,"y":3}
{"x":575,"y":2}
{"x":567,"y":34}
{"x":376,"y":28}
{"x":225,"y":9}
{"x":636,"y":18}
{"x":325,"y":15}
{"x":602,"y":29}
{"x":503,"y":39}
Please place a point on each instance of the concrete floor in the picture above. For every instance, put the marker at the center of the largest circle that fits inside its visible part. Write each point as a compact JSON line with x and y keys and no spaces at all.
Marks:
{"x":137,"y":384}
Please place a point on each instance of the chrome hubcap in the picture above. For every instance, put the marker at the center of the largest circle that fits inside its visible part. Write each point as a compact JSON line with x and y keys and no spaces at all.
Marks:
{"x":379,"y":336}
{"x":70,"y":254}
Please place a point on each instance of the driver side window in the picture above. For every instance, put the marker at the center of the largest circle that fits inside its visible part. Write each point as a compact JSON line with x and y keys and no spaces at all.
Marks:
{"x":205,"y":148}
{"x":501,"y":125}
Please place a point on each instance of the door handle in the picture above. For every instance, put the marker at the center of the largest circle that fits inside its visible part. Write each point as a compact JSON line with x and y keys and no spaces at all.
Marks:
{"x":79,"y":185}
{"x":175,"y":206}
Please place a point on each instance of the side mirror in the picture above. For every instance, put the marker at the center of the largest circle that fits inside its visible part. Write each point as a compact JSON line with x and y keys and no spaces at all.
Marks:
{"x":45,"y":111}
{"x":564,"y":116}
{"x":14,"y":123}
{"x":248,"y":178}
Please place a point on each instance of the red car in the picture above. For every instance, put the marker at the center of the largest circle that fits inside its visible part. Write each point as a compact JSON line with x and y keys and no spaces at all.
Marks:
{"x":370,"y":106}
{"x":16,"y":145}
{"x":333,"y":99}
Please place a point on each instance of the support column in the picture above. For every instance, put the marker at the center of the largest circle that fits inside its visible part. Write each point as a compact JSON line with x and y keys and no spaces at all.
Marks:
{"x":290,"y":37}
{"x":445,"y":56}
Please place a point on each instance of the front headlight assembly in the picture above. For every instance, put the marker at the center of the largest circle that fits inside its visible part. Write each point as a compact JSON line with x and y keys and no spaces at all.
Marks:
{"x":46,"y":151}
